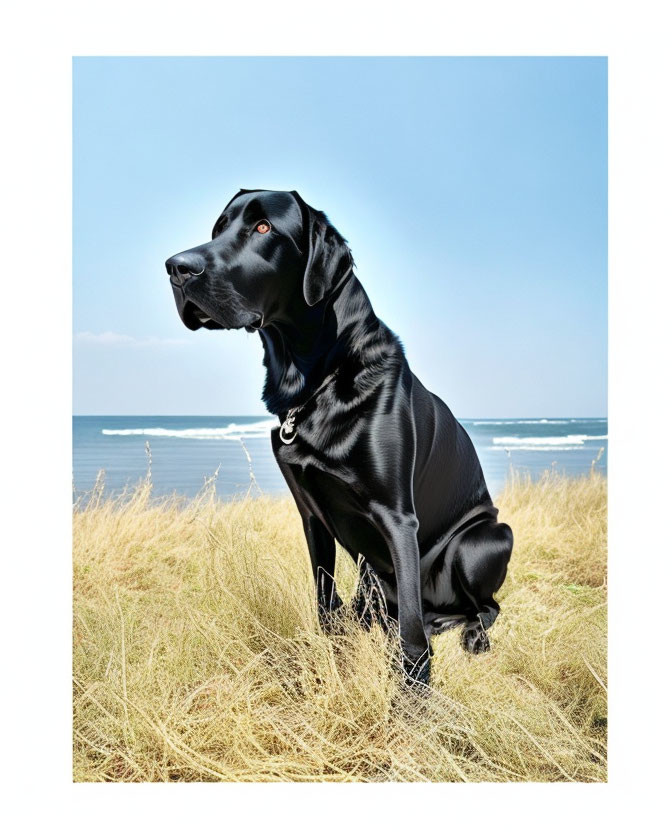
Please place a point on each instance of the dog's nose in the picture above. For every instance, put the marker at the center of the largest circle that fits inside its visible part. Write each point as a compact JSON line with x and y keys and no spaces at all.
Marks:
{"x":182,"y":266}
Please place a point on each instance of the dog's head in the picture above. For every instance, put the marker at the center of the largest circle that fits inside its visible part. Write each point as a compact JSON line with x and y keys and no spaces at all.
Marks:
{"x":270,"y":255}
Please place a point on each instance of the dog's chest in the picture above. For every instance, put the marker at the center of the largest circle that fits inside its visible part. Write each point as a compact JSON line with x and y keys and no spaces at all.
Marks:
{"x":320,"y":483}
{"x":336,"y":497}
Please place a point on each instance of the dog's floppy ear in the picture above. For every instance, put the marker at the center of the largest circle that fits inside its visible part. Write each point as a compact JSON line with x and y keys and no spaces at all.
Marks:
{"x":328,"y":260}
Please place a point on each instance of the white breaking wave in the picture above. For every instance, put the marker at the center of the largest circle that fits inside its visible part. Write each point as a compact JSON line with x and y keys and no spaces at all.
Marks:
{"x":535,"y":448}
{"x":539,"y":442}
{"x":253,"y":430}
{"x":527,"y":422}
{"x":531,"y":421}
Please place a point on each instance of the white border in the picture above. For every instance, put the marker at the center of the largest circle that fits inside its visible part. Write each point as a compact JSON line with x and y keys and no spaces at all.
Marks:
{"x":40,"y":40}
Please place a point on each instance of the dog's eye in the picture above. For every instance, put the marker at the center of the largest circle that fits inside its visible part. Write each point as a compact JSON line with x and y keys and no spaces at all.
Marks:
{"x":263,"y":227}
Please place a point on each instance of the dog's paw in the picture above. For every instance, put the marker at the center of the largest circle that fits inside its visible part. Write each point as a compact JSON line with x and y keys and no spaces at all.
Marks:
{"x":474,"y":638}
{"x":329,"y":615}
{"x":417,"y":671}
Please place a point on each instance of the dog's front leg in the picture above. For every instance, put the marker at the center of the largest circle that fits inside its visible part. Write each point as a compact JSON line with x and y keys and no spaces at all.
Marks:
{"x":322,"y":549}
{"x":400,"y":530}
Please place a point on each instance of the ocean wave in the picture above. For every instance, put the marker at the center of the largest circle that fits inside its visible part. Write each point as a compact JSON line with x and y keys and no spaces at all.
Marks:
{"x":575,"y":440}
{"x":534,"y":448}
{"x":529,"y":421}
{"x":233,"y":431}
{"x":526,"y":422}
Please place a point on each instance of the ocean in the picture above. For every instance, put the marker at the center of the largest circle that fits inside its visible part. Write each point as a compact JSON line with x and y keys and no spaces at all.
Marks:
{"x":188,"y":450}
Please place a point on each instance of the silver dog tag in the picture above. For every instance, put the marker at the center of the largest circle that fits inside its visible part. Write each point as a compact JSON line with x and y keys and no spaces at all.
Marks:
{"x":287,"y":429}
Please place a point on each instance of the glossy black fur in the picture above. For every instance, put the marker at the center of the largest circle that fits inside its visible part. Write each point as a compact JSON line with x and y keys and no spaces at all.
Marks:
{"x":378,"y":463}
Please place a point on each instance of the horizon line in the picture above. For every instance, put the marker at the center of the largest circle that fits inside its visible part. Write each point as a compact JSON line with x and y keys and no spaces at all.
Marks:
{"x":273,"y":415}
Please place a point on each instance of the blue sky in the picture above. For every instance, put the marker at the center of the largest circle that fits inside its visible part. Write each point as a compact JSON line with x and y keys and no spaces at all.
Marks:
{"x":473,"y":192}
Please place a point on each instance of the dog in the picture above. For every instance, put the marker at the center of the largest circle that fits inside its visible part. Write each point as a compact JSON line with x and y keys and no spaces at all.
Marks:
{"x":372,"y":458}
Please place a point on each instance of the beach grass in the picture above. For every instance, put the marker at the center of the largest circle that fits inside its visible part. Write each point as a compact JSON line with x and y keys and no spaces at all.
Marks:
{"x":198,"y":656}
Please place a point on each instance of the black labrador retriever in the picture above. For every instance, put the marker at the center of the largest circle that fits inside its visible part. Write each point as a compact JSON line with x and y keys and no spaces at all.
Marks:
{"x":372,"y":458}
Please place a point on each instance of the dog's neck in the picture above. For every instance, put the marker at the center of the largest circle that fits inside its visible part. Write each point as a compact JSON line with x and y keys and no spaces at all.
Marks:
{"x":299,"y":354}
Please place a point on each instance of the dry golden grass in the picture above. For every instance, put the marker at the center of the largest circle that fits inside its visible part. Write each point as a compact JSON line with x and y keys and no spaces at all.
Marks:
{"x":197,"y":654}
